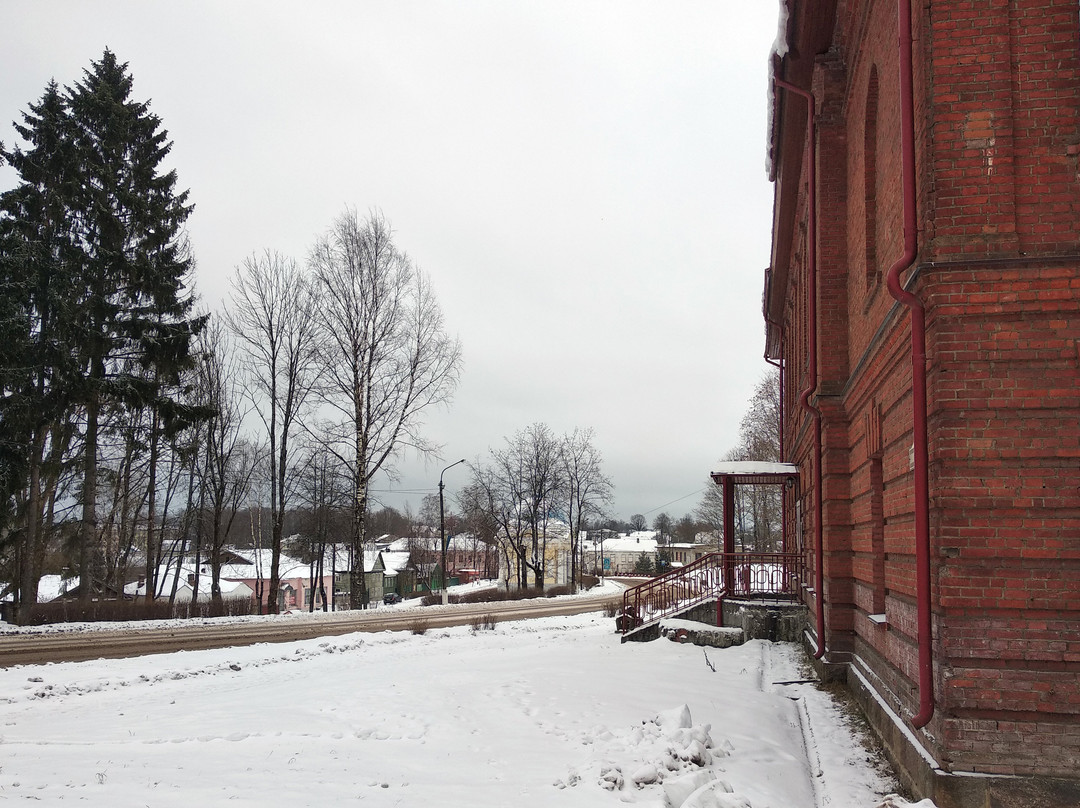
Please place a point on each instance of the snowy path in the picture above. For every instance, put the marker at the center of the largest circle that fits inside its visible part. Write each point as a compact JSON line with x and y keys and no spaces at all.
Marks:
{"x":538,"y":713}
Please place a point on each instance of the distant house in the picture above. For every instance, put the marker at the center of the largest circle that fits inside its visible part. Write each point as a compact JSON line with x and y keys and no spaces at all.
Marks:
{"x":557,"y":562}
{"x":463,"y":551}
{"x":619,"y":553}
{"x":185,"y":586}
{"x":374,"y":571}
{"x":51,"y":587}
{"x":681,"y":554}
{"x":72,"y":589}
{"x":399,"y":574}
{"x":244,"y":574}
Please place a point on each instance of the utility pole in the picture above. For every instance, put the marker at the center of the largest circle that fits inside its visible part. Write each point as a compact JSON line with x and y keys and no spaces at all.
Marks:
{"x":442,"y":532}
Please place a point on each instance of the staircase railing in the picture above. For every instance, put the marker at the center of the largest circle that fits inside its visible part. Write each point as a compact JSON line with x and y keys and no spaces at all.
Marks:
{"x":717,"y":575}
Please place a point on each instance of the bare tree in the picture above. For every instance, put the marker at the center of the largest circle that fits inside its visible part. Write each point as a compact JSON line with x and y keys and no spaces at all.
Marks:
{"x":271,"y":315}
{"x":545,"y":490}
{"x":686,"y":529}
{"x":531,"y":475}
{"x":493,"y":501}
{"x":663,"y":525}
{"x":757,"y":507}
{"x":325,"y":496}
{"x":385,"y":354}
{"x":637,"y":522}
{"x":587,"y":489}
{"x":512,"y":501}
{"x":229,"y":461}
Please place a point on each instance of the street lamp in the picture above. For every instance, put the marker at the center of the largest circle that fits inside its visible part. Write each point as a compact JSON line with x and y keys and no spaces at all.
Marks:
{"x":442,"y":531}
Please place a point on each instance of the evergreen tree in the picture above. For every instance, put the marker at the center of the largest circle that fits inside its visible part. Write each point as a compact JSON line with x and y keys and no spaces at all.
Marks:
{"x":95,"y":316}
{"x":134,"y":323}
{"x":37,"y":373}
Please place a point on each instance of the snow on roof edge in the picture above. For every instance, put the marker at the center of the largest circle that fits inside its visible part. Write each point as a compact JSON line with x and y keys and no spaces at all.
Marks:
{"x":779,"y":51}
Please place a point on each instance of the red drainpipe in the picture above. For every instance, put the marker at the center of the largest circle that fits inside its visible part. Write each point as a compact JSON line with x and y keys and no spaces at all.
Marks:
{"x":804,"y":400}
{"x":918,"y":370}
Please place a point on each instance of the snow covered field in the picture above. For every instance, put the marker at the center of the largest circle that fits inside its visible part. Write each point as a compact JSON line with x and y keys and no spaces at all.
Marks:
{"x":543,"y":712}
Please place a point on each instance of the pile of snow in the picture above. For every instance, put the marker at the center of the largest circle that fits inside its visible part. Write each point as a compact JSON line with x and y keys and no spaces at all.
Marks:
{"x":554,"y":711}
{"x":896,"y":801}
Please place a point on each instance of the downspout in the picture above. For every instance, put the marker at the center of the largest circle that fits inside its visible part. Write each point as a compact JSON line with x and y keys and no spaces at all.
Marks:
{"x":812,"y":371}
{"x":918,"y":369}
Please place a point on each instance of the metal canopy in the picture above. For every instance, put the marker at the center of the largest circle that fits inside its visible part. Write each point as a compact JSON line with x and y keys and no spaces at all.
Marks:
{"x":750,"y":472}
{"x":754,"y":472}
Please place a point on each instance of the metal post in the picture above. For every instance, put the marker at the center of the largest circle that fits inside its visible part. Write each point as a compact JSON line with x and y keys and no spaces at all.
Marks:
{"x":442,"y":533}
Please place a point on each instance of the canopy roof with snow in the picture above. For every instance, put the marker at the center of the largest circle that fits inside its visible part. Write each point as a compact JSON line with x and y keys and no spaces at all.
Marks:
{"x":754,"y":471}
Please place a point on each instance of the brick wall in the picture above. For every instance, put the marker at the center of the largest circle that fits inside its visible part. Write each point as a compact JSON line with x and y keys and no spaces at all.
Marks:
{"x":998,"y":145}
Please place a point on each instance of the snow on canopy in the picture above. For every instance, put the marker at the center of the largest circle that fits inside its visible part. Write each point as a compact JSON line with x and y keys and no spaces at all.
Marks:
{"x":748,"y":467}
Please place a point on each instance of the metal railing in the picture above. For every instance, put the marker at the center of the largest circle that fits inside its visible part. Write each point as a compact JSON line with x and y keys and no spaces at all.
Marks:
{"x":717,"y":575}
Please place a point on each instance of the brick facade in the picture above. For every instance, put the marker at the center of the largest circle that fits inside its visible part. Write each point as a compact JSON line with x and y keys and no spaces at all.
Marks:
{"x":997,"y":155}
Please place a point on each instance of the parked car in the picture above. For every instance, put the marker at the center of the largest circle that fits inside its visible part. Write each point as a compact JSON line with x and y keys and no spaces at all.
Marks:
{"x":390,"y":598}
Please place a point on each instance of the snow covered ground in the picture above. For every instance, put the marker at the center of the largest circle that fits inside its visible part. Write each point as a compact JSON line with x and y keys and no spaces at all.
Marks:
{"x":545,"y":712}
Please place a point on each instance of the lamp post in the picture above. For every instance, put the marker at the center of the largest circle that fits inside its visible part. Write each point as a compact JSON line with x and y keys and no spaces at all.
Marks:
{"x":442,"y":531}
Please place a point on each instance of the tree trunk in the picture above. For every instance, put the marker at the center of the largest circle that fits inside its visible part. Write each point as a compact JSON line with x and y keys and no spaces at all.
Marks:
{"x":151,"y":502}
{"x":29,"y":571}
{"x":358,"y":595}
{"x":88,"y":528}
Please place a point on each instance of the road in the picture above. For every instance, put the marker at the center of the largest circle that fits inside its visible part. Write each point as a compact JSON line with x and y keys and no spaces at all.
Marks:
{"x":141,"y":639}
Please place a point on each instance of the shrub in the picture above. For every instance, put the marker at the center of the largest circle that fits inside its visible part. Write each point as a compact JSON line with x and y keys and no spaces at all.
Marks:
{"x":555,"y":591}
{"x":483,"y":622}
{"x":418,"y":626}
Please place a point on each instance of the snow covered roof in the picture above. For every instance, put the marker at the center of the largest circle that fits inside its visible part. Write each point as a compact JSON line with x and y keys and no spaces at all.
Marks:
{"x":639,"y":541}
{"x":779,"y":51}
{"x":166,"y":578}
{"x":395,"y":560}
{"x":753,"y":471}
{"x":259,"y":561}
{"x":457,"y":541}
{"x":50,"y":587}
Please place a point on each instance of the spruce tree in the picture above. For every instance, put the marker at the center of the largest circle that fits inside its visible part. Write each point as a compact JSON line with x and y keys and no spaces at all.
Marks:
{"x":37,"y":298}
{"x":134,"y":320}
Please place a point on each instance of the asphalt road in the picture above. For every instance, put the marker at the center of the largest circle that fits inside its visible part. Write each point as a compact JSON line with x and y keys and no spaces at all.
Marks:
{"x":140,"y":639}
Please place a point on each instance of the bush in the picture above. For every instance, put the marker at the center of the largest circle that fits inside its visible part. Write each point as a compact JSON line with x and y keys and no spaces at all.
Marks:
{"x":418,"y":626}
{"x":484,"y":622}
{"x":555,"y":591}
{"x":485,"y":596}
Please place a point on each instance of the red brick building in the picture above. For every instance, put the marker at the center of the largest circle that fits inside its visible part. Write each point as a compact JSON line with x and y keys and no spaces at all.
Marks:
{"x":924,"y":300}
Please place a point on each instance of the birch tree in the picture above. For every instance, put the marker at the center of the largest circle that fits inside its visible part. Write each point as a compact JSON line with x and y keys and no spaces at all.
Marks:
{"x":271,"y":315}
{"x":385,"y":355}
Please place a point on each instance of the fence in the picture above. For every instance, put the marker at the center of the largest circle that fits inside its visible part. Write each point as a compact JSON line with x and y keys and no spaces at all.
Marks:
{"x":717,"y":575}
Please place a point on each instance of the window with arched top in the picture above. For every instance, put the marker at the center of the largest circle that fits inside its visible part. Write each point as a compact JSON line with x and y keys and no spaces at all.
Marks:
{"x":869,"y":152}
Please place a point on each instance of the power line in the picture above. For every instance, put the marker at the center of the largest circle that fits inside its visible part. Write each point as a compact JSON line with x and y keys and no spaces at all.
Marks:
{"x":680,"y":499}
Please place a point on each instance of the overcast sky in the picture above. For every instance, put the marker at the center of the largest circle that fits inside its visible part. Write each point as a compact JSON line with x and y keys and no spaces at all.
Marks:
{"x":584,"y":182}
